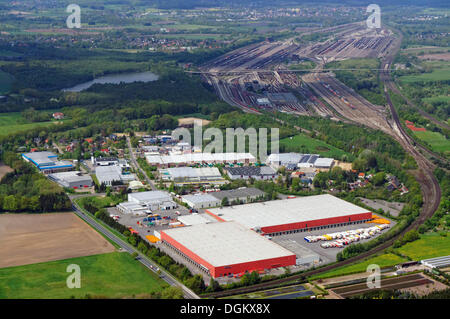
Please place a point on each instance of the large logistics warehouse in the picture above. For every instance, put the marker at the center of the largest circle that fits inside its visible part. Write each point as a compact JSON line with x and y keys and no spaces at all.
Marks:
{"x":292,"y":215}
{"x":227,"y":248}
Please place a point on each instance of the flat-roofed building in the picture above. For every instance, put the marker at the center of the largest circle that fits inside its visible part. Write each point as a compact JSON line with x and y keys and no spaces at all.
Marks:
{"x":47,"y":162}
{"x":255,"y":172}
{"x":200,"y":158}
{"x":196,"y":219}
{"x":224,"y":249}
{"x":151,"y":200}
{"x":72,"y":179}
{"x":283,"y":159}
{"x":104,"y":161}
{"x":240,"y":195}
{"x":324,"y":162}
{"x":294,"y":214}
{"x":199,"y":201}
{"x":297,"y":160}
{"x":109,"y":174}
{"x":190,"y":175}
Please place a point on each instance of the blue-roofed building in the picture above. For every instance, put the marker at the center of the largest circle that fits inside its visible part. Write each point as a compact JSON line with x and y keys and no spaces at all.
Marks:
{"x":47,"y":162}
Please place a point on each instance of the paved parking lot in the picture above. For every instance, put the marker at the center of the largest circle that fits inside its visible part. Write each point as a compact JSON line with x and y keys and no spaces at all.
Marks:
{"x":131,"y":220}
{"x":327,"y":254}
{"x":393,"y":208}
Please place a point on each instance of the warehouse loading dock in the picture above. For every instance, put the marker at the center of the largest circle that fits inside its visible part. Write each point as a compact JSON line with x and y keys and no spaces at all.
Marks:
{"x":300,"y":214}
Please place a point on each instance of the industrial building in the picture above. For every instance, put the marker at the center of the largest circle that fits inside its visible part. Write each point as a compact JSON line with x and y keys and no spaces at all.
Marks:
{"x":255,"y":172}
{"x":196,"y":219}
{"x":72,"y":179}
{"x":200,"y":158}
{"x":438,"y":262}
{"x":201,"y":201}
{"x":147,"y":201}
{"x":241,"y":195}
{"x":324,"y":162}
{"x":104,"y":161}
{"x":47,"y":162}
{"x":109,"y":174}
{"x":224,"y":249}
{"x":189,"y":175}
{"x":293,"y":215}
{"x":299,"y":160}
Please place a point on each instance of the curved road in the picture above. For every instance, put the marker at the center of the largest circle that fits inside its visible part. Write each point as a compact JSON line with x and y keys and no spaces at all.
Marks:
{"x":188,"y":294}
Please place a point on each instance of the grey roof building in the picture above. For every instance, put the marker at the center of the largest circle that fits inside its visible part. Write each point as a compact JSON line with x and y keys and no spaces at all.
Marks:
{"x":72,"y":179}
{"x":201,"y":201}
{"x":244,"y":194}
{"x":109,"y":174}
{"x":256,"y":172}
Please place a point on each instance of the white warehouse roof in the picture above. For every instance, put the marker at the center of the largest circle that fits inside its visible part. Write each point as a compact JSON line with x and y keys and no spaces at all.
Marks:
{"x":287,"y":211}
{"x":199,"y":198}
{"x":323,"y":162}
{"x":194,"y":219}
{"x":199,"y":158}
{"x":150,"y":196}
{"x":222,"y":244}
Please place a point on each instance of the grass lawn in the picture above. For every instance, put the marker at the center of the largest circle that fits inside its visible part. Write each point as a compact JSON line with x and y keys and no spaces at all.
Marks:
{"x":6,"y":81}
{"x":437,"y":141}
{"x":428,"y":246}
{"x":14,"y":122}
{"x":384,"y":260}
{"x":441,"y":72}
{"x":440,"y":99}
{"x":113,"y":275}
{"x":306,"y":144}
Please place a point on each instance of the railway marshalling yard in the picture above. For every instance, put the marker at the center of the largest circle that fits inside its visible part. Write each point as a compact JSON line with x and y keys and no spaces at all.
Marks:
{"x":251,"y":76}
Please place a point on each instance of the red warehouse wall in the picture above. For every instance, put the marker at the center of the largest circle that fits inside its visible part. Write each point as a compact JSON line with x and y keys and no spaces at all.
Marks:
{"x":254,"y":265}
{"x":187,"y":252}
{"x":317,"y":223}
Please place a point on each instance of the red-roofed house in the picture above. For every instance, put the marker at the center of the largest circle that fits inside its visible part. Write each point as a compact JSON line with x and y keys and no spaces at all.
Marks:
{"x":58,"y":116}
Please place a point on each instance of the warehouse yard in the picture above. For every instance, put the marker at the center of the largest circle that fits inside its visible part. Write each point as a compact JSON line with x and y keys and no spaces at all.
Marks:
{"x":34,"y":238}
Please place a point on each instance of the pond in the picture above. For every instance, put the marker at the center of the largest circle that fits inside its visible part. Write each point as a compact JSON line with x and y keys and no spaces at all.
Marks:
{"x":116,"y":79}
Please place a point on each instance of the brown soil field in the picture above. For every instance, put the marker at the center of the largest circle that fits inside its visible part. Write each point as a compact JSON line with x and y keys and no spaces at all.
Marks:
{"x":4,"y":169}
{"x":33,"y":238}
{"x":436,"y":56}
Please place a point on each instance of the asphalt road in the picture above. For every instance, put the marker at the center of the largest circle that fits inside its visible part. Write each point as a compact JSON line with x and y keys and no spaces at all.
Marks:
{"x":136,"y":165}
{"x":188,"y":294}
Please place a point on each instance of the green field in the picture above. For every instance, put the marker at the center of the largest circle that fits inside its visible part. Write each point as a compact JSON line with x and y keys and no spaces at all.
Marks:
{"x":428,"y":246}
{"x":6,"y":81}
{"x":436,"y":140}
{"x":384,"y":260}
{"x":437,"y":99}
{"x":306,"y":144}
{"x":113,"y":275}
{"x":441,"y":72}
{"x":14,"y":122}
